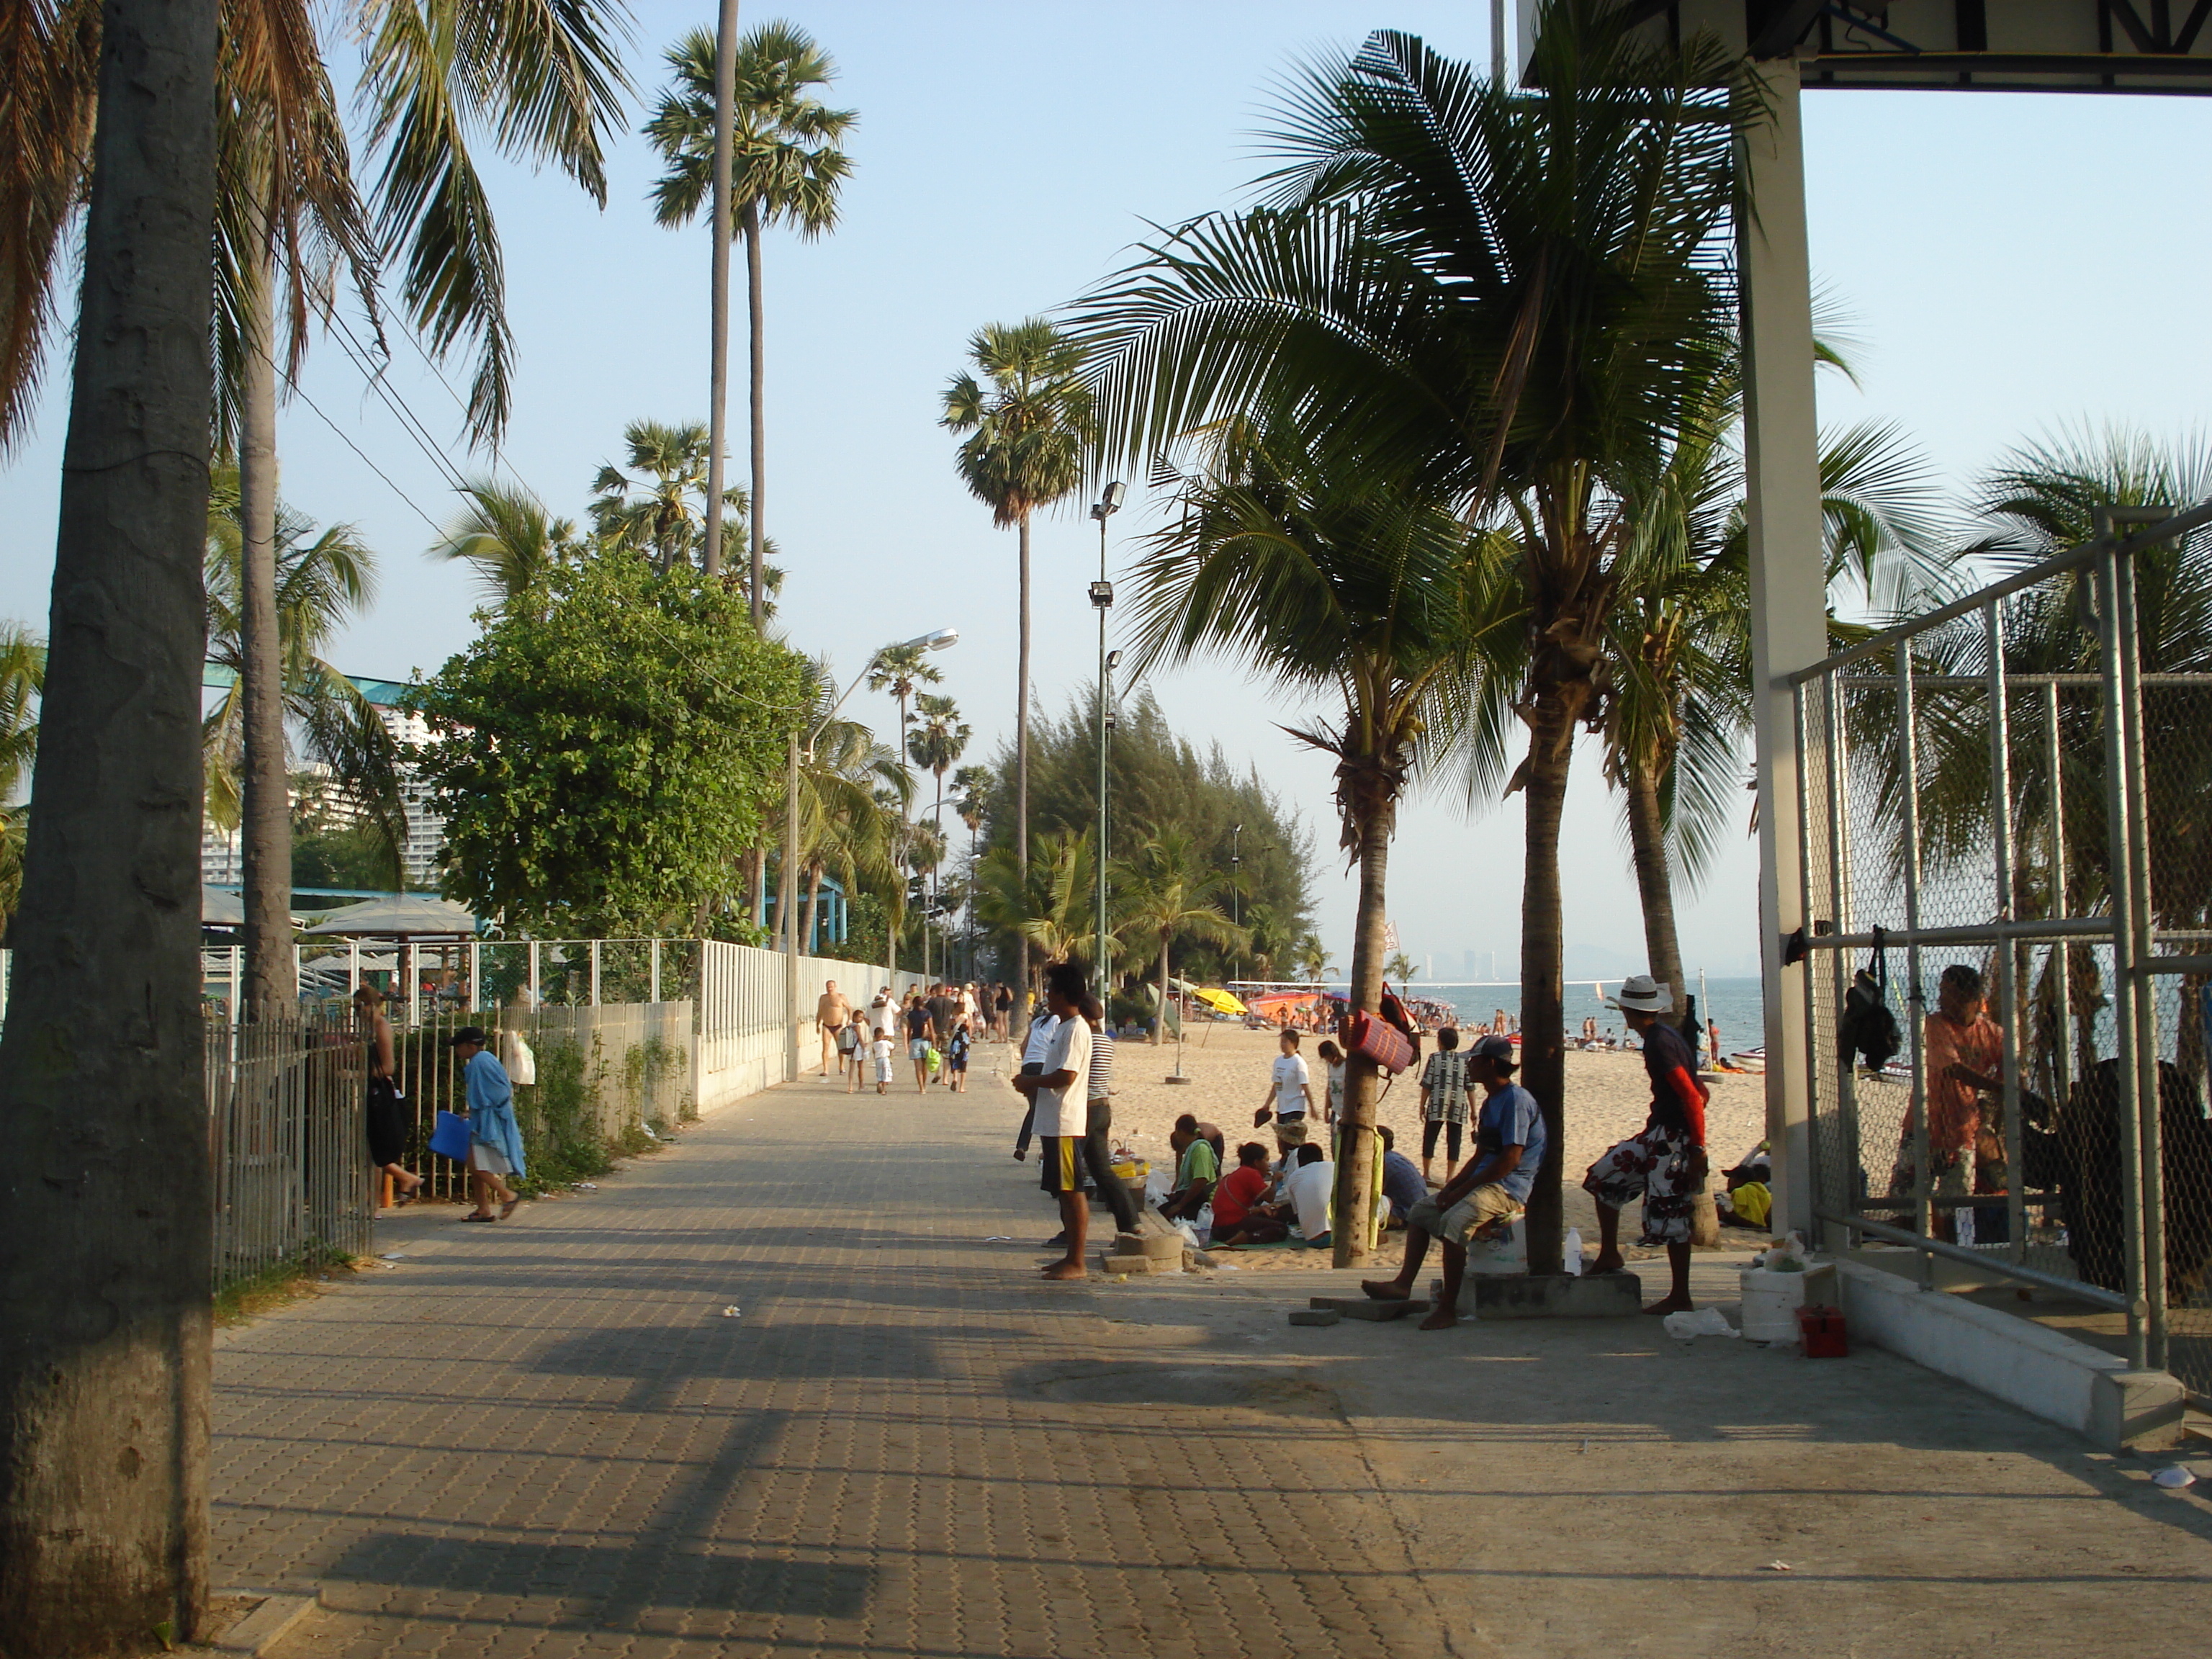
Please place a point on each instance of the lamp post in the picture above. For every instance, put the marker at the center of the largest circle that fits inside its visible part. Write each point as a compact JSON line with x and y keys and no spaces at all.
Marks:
{"x":787,"y":879}
{"x":1236,"y":885}
{"x":1102,"y":596}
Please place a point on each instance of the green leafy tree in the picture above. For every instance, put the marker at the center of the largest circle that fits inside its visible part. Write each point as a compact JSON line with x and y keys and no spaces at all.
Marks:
{"x":1030,"y":422}
{"x":1167,"y":890}
{"x":786,"y":168}
{"x":600,"y":767}
{"x":1498,"y":296}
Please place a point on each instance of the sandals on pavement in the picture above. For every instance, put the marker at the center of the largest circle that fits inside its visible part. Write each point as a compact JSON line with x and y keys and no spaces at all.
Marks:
{"x":473,"y":1216}
{"x":509,"y":1208}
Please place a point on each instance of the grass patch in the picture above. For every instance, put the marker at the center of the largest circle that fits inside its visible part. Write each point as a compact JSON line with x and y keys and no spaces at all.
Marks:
{"x":287,"y":1282}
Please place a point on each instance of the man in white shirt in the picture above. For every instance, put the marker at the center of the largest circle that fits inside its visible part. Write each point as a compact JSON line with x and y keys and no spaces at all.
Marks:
{"x":1309,"y":1187}
{"x":1058,"y":1105}
{"x":1289,"y":1091}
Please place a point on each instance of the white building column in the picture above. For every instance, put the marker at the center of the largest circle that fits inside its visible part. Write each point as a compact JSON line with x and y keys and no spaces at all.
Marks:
{"x":1788,"y":599}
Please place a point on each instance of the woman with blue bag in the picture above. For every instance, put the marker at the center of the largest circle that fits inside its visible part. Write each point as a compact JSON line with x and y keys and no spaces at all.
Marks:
{"x":494,"y":1140}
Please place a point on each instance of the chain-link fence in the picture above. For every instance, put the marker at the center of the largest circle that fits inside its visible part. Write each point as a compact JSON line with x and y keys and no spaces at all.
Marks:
{"x":2007,"y":837}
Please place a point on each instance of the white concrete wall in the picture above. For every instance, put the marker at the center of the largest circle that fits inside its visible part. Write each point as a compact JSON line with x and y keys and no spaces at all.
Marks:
{"x":740,"y":1046}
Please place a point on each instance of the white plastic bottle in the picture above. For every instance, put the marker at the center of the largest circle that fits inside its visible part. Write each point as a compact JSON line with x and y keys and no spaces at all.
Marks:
{"x":1574,"y":1250}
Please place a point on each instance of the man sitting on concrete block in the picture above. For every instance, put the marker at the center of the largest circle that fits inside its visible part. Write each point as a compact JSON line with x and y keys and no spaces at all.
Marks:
{"x":1508,"y":1147}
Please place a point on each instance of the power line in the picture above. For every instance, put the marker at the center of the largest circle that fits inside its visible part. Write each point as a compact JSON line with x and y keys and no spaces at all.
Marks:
{"x":435,"y":528}
{"x":423,"y":438}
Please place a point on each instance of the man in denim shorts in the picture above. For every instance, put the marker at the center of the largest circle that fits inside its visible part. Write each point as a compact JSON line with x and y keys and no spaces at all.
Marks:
{"x":1508,"y":1147}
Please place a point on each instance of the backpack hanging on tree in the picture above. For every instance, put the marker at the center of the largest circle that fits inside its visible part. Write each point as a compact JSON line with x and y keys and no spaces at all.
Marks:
{"x":1867,"y":1028}
{"x":1393,"y":1013}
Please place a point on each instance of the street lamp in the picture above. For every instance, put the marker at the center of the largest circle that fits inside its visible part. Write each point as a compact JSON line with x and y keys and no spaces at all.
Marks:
{"x":787,"y":882}
{"x":1101,"y":597}
{"x":1236,"y":885}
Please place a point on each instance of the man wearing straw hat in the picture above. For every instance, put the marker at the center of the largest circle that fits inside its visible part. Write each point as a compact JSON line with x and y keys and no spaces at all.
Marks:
{"x":1665,"y":1163}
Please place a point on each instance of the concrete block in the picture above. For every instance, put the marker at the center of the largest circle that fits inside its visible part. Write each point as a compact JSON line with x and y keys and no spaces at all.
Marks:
{"x":1147,"y":1243}
{"x":261,"y":1629}
{"x":2138,"y":1409}
{"x":1361,"y":1307}
{"x":1557,"y":1296}
{"x":2042,"y":1371}
{"x":1314,"y":1315}
{"x":1110,"y":1263}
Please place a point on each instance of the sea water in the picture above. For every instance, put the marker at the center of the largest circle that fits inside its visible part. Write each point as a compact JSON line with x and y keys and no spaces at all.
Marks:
{"x":1736,"y":1004}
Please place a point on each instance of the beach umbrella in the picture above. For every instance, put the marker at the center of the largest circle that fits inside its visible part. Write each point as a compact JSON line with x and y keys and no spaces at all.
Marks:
{"x":1220,"y":1001}
{"x":403,"y":915}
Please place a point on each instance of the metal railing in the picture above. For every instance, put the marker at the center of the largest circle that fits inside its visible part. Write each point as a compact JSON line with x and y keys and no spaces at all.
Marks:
{"x":2004,"y":784}
{"x":285,"y":1103}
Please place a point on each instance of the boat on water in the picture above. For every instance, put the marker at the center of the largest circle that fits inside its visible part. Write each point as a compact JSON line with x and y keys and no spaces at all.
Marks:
{"x":1748,"y":1060}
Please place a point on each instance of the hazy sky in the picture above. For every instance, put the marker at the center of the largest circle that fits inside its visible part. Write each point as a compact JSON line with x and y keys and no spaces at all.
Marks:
{"x":2010,"y":264}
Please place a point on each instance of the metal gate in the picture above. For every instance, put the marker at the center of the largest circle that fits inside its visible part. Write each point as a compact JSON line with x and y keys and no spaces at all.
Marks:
{"x":2016,"y":789}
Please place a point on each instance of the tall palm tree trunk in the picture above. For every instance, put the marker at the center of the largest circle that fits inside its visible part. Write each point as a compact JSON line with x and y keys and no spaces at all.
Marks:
{"x":718,"y":373}
{"x":265,"y":817}
{"x":813,"y":900}
{"x":1020,"y":1023}
{"x":1543,"y":992}
{"x":105,"y":1228}
{"x":1160,"y":1030}
{"x":1355,"y":1183}
{"x":755,"y":311}
{"x":1655,"y":885}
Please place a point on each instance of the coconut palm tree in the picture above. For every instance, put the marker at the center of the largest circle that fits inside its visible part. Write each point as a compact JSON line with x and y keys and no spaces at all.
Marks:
{"x":1400,"y":967}
{"x":1334,"y":588}
{"x":1498,"y":294}
{"x":902,"y":669}
{"x":1166,"y":892}
{"x":1030,"y":422}
{"x":1046,"y":902}
{"x":787,"y":169}
{"x":106,"y":1532}
{"x":660,"y":513}
{"x":509,"y":536}
{"x":543,"y":80}
{"x":322,"y":581}
{"x":1312,"y":959}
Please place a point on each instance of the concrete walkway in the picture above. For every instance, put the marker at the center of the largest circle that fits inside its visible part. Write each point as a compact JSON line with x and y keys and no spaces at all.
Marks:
{"x":546,"y":1437}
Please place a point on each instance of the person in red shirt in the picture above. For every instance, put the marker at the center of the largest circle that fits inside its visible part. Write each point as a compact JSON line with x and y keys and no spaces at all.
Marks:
{"x":1235,"y":1196}
{"x":1962,"y":1056}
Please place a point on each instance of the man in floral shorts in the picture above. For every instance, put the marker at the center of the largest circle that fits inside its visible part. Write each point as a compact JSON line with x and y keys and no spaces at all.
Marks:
{"x":1666,"y":1163}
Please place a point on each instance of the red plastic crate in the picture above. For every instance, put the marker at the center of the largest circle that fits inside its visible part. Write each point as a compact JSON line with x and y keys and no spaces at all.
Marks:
{"x":1821,"y":1330}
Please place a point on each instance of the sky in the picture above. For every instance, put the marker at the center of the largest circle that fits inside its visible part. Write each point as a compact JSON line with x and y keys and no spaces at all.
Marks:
{"x":2009,"y":266}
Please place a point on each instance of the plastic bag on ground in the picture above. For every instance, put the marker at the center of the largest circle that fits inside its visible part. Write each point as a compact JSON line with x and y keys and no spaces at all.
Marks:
{"x":1705,"y":1321}
{"x":1785,"y":1256}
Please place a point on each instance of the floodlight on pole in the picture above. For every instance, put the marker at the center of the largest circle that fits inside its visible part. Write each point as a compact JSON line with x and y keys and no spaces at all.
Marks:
{"x":1102,"y":597}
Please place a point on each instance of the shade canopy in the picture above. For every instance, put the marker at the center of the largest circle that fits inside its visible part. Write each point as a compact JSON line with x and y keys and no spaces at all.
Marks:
{"x":1220,"y":1001}
{"x":220,"y":910}
{"x":406,"y":915}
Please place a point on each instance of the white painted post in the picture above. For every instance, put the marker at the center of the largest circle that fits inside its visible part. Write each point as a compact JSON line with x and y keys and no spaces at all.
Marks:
{"x":408,"y":983}
{"x":595,"y":973}
{"x":476,"y":975}
{"x":237,"y":973}
{"x":653,"y":993}
{"x":1788,"y":599}
{"x":353,"y":965}
{"x":535,"y":1001}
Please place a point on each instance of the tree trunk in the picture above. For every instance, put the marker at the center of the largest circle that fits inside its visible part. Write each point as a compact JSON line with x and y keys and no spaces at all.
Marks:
{"x":813,"y":900}
{"x":758,"y":549}
{"x":718,"y":373}
{"x":1543,"y":994}
{"x":757,"y":887}
{"x":1160,"y":1030}
{"x":1355,"y":1154}
{"x":105,"y":1228}
{"x":1020,"y":1022}
{"x":271,"y":984}
{"x":1655,"y":886}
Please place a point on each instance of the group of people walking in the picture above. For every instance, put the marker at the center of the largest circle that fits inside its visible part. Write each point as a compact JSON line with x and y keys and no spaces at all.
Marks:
{"x":935,"y":1031}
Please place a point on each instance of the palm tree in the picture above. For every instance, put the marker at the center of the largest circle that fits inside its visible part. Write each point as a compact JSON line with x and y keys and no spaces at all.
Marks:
{"x":1313,"y":957}
{"x":22,"y":676}
{"x":973,"y":785}
{"x":509,"y":536}
{"x":1028,"y":433}
{"x":1167,"y":891}
{"x":1330,"y":587}
{"x":941,"y":739}
{"x":106,"y":1529}
{"x":663,"y":513}
{"x":786,"y":169}
{"x":901,"y":669}
{"x":1045,"y":902}
{"x":1499,"y":295}
{"x":1400,"y":967}
{"x":544,"y":81}
{"x":321,"y":583}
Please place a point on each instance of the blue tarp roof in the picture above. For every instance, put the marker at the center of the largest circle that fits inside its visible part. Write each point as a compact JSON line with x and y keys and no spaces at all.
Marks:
{"x":386,"y":694}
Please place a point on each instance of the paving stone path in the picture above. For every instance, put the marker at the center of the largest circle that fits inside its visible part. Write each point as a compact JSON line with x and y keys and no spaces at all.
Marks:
{"x":546,"y":1437}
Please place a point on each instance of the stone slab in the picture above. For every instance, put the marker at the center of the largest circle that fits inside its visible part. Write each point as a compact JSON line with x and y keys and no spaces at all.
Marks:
{"x":1109,"y":1262}
{"x":1367,"y":1307}
{"x":1315,"y":1316}
{"x":1556,"y":1296}
{"x":261,"y":1629}
{"x":1147,"y":1243}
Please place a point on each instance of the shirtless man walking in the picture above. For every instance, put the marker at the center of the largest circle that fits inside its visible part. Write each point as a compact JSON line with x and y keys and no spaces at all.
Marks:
{"x":831,"y":1011}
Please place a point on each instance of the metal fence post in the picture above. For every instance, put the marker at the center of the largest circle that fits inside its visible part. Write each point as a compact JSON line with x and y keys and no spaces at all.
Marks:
{"x":476,"y":975}
{"x":2054,"y":764}
{"x":595,"y":973}
{"x":535,"y":1001}
{"x":652,"y":973}
{"x":2120,"y":876}
{"x":2008,"y":910}
{"x":1839,"y":864}
{"x":237,"y":973}
{"x":2148,"y":1092}
{"x":1810,"y":965}
{"x":411,"y":981}
{"x":1923,"y":1172}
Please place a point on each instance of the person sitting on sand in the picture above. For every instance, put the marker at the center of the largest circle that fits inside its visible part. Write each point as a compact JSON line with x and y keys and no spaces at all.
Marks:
{"x":1309,"y":1192}
{"x":1236,"y":1195}
{"x":1508,"y":1147}
{"x":1198,"y":1166}
{"x":1665,"y":1163}
{"x":1401,"y":1182}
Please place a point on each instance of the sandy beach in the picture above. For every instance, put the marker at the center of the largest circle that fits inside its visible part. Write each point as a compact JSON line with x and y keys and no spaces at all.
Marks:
{"x":1607,"y":1097}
